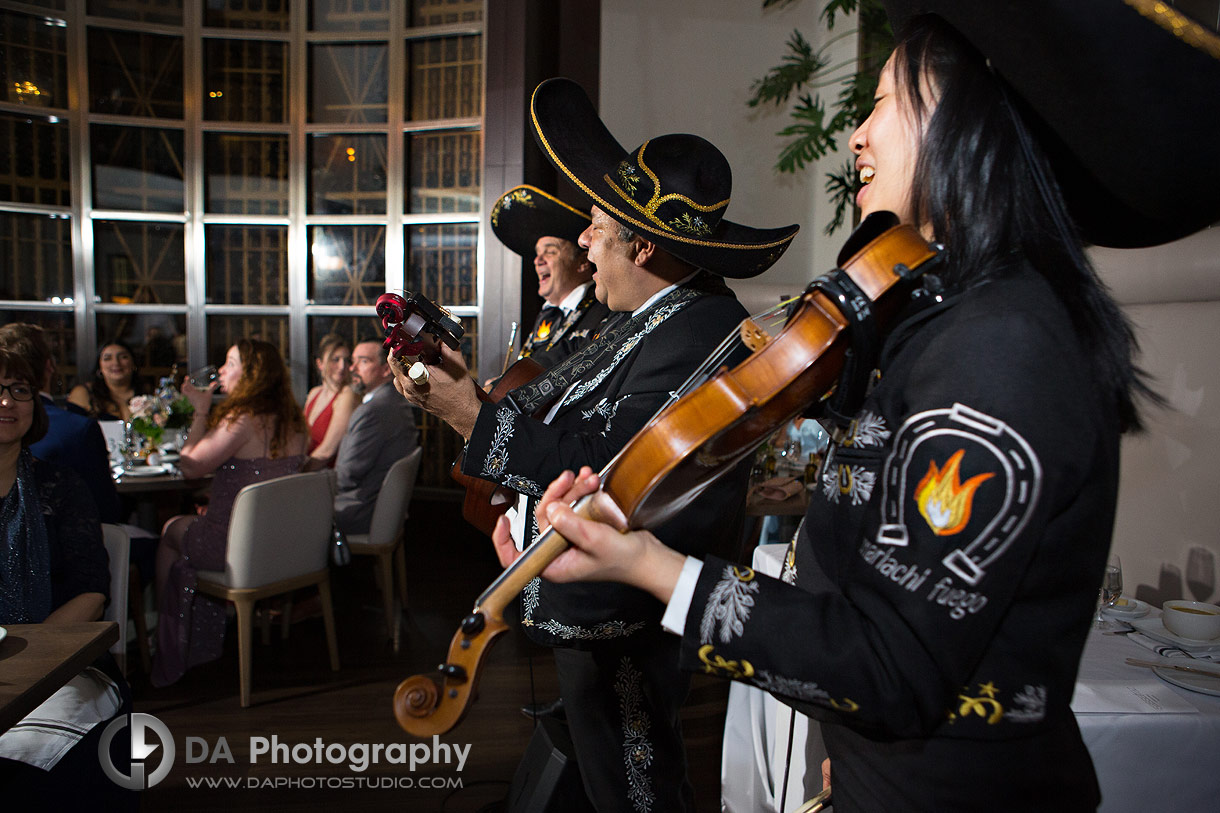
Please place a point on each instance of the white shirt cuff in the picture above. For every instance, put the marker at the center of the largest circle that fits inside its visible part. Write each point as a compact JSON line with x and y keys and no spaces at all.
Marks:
{"x":674,"y":619}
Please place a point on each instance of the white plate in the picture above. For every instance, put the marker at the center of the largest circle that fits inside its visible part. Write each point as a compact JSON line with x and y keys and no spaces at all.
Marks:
{"x":146,"y":471}
{"x":1154,"y":628}
{"x":169,"y":457}
{"x":1192,"y":682}
{"x":1134,"y":608}
{"x":3,"y":633}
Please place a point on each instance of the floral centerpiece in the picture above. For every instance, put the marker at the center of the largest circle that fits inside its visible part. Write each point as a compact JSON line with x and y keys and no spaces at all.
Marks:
{"x":151,"y":415}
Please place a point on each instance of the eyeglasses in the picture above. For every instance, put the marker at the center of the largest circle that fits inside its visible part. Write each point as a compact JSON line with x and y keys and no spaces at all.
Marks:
{"x":19,"y":392}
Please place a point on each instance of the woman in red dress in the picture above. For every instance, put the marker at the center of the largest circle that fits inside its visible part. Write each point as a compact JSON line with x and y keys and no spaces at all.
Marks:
{"x":329,"y":405}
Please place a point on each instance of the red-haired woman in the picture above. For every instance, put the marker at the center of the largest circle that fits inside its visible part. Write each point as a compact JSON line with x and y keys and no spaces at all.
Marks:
{"x":256,"y":433}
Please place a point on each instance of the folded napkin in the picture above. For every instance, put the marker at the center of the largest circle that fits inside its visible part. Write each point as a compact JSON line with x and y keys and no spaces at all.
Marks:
{"x":1171,"y":651}
{"x":1128,"y":697}
{"x":777,"y":489}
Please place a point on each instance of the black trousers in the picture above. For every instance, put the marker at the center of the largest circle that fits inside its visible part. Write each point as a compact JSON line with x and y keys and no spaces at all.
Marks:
{"x":622,"y":702}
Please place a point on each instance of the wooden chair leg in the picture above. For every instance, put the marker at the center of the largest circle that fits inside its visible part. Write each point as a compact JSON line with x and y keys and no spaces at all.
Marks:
{"x":135,"y":608}
{"x":328,"y":618}
{"x":400,"y":565}
{"x":245,"y":631}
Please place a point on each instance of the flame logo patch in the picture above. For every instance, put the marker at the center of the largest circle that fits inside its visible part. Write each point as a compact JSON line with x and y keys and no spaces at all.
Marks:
{"x":944,"y":501}
{"x":544,"y":330}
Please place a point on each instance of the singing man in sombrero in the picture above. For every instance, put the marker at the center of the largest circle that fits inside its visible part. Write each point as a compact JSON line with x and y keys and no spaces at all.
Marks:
{"x":937,"y":599}
{"x":662,"y":247}
{"x":535,"y":224}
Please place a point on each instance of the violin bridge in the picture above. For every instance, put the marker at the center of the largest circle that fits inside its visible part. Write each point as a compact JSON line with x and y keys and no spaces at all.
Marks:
{"x":753,"y":336}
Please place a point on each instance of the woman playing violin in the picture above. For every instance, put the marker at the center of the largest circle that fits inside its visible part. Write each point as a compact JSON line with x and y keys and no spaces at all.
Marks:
{"x":933,"y":608}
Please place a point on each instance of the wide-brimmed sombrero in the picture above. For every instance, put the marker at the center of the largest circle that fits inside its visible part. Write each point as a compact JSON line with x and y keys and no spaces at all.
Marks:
{"x":525,"y":213}
{"x":1125,"y":97}
{"x":672,"y":190}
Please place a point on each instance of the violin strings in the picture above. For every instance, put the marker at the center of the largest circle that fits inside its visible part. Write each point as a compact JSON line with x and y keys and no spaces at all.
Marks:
{"x":712,"y":363}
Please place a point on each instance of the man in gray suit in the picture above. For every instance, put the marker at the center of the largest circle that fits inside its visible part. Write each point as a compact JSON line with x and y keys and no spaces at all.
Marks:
{"x":380,"y":432}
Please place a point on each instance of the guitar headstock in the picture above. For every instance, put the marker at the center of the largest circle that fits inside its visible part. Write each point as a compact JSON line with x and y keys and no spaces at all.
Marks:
{"x":414,"y":326}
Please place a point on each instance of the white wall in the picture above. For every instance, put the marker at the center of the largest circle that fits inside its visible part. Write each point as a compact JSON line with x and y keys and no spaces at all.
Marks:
{"x":1169,"y":498}
{"x":686,"y":66}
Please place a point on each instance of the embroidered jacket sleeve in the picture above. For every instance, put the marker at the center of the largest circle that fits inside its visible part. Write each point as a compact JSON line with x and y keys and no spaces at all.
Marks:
{"x":948,"y":566}
{"x":78,"y":557}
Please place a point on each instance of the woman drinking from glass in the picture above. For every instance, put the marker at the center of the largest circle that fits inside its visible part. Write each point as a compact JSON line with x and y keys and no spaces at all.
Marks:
{"x":256,"y":433}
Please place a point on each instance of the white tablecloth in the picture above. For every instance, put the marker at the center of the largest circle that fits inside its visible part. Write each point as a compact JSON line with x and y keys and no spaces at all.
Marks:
{"x":1158,"y":761}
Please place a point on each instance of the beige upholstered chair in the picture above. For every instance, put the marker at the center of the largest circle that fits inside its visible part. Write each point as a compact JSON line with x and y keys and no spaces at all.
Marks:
{"x":118,"y":548}
{"x":279,"y":541}
{"x":385,"y":537}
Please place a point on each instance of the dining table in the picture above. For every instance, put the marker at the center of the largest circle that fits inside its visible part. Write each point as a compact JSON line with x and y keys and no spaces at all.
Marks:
{"x":37,"y":659}
{"x":157,"y":492}
{"x":1155,"y":744}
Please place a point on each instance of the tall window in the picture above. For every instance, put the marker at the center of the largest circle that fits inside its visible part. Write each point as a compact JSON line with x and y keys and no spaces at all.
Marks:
{"x":184,"y":174}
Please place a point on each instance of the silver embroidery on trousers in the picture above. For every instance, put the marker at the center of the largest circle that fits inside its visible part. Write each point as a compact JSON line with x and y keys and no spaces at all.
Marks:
{"x":637,"y":747}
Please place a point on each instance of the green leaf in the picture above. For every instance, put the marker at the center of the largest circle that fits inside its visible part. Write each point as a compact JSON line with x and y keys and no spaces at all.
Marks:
{"x":813,"y":139}
{"x":813,"y":132}
{"x":841,"y":186}
{"x":800,"y":63}
{"x":836,"y":7}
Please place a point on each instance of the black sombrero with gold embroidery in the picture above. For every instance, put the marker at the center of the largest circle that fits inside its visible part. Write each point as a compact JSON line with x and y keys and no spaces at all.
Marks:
{"x":525,"y":213}
{"x":1125,"y":96}
{"x":672,"y":190}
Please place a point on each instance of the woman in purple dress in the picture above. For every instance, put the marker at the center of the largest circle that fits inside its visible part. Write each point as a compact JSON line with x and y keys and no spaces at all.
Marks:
{"x":256,"y":433}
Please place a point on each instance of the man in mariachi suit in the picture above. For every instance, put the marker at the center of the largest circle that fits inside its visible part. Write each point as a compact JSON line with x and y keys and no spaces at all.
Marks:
{"x":533,"y":223}
{"x":661,"y":246}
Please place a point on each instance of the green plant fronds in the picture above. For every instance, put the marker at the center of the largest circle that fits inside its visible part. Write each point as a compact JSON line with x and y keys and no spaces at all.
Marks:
{"x":841,"y":186}
{"x":800,"y":63}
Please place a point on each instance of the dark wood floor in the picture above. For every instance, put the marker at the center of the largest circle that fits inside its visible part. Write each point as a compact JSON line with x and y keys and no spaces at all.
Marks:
{"x":297,"y":699}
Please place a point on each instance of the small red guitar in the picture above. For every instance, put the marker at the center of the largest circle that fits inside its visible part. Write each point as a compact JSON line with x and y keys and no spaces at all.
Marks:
{"x":416,"y":328}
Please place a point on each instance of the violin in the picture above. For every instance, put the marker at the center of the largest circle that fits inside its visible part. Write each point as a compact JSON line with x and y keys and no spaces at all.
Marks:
{"x":696,"y":438}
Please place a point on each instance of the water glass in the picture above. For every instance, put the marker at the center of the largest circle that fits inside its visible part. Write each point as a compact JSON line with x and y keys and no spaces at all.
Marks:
{"x":204,"y":376}
{"x":1111,"y":589}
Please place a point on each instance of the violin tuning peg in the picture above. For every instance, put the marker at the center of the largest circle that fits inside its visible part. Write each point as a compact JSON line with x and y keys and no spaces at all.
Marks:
{"x":453,"y":672}
{"x":473,"y":624}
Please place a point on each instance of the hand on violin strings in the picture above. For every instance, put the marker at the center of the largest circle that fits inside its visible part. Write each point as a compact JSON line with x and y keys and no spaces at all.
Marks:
{"x":448,"y":393}
{"x":601,"y":551}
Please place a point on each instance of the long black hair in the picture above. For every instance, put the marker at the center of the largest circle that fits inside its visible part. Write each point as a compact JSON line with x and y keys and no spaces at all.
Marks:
{"x":99,"y":390}
{"x":977,"y":183}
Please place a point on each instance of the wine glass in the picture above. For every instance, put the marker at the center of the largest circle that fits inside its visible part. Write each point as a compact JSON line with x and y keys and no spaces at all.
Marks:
{"x":204,"y":376}
{"x":1111,"y":589}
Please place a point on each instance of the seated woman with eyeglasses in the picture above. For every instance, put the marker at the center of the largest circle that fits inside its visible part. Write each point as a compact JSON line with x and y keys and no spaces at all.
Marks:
{"x":115,"y":382}
{"x":256,"y":433}
{"x":53,"y":570}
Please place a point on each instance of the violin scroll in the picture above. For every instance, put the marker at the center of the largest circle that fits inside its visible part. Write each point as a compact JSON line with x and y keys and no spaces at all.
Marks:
{"x":425,"y":705}
{"x":415,"y":697}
